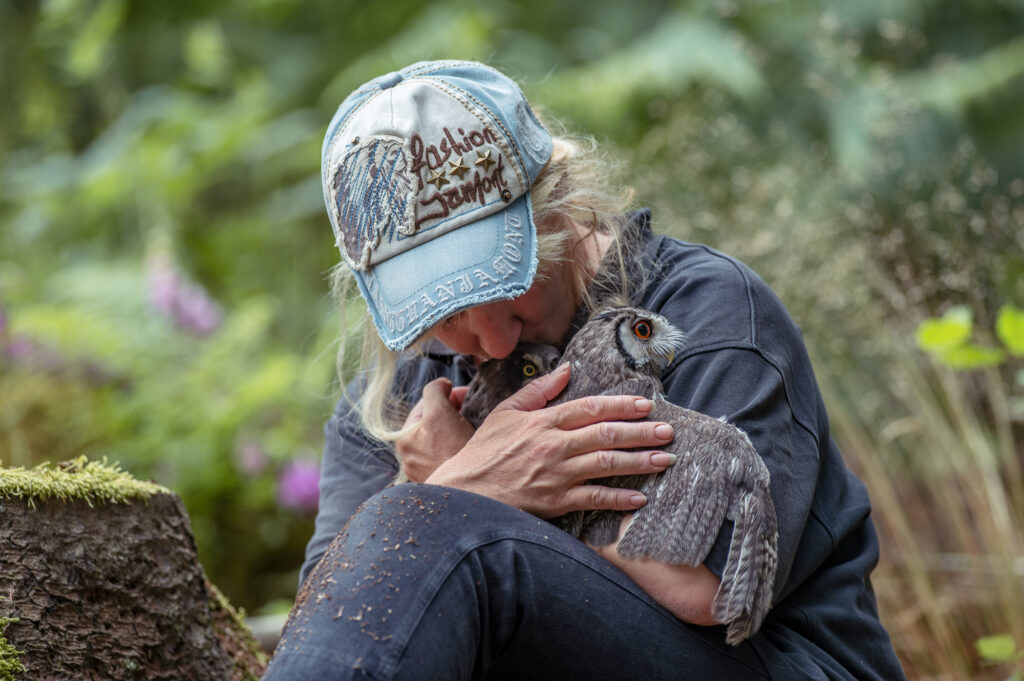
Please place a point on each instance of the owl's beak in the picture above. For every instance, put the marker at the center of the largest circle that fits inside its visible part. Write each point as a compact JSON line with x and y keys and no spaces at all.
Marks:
{"x":662,"y":360}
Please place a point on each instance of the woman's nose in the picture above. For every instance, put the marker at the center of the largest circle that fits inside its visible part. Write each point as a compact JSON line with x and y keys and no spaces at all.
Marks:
{"x":498,"y":330}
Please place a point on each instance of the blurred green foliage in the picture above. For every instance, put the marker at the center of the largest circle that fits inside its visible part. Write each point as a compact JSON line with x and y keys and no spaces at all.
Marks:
{"x":164,"y":253}
{"x":1001,"y":649}
{"x":947,"y":338}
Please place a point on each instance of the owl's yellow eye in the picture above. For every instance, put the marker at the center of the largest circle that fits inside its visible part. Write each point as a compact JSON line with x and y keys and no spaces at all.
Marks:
{"x":642,"y":329}
{"x":529,"y":370}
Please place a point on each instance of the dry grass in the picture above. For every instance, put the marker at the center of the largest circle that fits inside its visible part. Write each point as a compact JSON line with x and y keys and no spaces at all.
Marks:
{"x":948,"y":500}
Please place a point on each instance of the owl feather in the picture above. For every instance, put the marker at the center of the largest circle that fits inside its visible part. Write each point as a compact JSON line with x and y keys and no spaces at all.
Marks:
{"x":718,"y":475}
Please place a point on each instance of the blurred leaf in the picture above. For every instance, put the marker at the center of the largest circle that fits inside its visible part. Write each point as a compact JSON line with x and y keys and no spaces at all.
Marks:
{"x":91,"y":41}
{"x":680,"y":51}
{"x":440,"y":30}
{"x":940,"y":336}
{"x":1010,"y":329}
{"x":850,"y":134}
{"x":969,"y":357}
{"x":954,"y":87}
{"x":276,"y":376}
{"x":206,"y":52}
{"x":999,"y":648}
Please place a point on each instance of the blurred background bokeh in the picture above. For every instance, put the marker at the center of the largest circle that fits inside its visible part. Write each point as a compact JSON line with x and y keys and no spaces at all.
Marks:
{"x":164,"y":248}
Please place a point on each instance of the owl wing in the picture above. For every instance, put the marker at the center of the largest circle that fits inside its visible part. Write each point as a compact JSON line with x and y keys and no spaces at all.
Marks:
{"x":718,"y":475}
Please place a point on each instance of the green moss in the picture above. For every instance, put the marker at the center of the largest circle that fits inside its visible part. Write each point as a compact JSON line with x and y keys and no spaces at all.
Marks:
{"x":91,"y":481}
{"x":220,"y":602}
{"x":10,"y":660}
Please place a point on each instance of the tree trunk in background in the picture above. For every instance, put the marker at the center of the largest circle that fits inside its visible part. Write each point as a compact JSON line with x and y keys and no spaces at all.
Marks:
{"x":115,"y":591}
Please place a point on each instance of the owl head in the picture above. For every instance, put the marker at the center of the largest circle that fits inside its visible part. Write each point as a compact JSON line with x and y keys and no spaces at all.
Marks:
{"x":497,"y":379}
{"x":529,"y":361}
{"x":640,"y":339}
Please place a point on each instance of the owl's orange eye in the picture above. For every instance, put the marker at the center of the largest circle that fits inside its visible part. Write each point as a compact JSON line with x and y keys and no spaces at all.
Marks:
{"x":529,"y":370}
{"x":642,"y":330}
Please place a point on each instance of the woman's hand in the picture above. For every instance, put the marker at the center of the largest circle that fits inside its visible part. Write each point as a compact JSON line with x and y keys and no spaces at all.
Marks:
{"x":439,"y":432}
{"x":537,"y":458}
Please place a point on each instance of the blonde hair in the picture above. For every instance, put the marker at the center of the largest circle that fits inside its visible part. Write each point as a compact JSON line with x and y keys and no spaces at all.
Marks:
{"x":575,"y":188}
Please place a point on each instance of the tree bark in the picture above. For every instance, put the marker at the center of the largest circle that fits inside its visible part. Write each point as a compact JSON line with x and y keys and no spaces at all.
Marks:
{"x":115,"y":591}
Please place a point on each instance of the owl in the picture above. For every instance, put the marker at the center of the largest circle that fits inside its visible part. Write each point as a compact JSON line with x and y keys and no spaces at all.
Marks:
{"x":497,"y":379}
{"x":717,"y":475}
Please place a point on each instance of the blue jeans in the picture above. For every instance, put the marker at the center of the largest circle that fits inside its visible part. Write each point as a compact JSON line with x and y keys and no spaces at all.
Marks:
{"x":427,"y":583}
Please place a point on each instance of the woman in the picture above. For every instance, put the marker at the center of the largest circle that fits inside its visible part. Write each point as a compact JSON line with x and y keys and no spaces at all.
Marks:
{"x":468,"y":229}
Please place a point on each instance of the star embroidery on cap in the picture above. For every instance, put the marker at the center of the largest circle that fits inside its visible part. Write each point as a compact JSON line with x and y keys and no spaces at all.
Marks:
{"x":437,"y":178}
{"x":457,"y":168}
{"x":483,"y":158}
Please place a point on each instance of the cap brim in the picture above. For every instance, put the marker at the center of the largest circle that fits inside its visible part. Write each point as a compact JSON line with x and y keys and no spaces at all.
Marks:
{"x":494,"y":258}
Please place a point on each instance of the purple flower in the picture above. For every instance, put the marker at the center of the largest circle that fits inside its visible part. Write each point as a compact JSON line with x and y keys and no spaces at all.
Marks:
{"x":26,"y":352}
{"x":298,"y":485}
{"x":164,"y":283}
{"x":23,"y":351}
{"x":20,"y":349}
{"x":196,"y":310}
{"x":186,"y":304}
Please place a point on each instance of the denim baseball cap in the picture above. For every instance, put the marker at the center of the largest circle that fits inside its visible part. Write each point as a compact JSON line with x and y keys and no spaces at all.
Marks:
{"x":426,"y":175}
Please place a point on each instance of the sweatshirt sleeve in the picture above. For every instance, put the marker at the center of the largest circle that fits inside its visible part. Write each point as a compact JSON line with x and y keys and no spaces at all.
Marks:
{"x":354,"y":467}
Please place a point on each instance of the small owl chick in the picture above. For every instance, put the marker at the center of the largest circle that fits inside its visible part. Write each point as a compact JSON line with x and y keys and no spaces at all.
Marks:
{"x":498,"y":379}
{"x":717,"y":476}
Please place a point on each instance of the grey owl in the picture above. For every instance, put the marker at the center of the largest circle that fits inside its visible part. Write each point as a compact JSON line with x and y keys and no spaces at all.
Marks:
{"x":717,"y":476}
{"x":497,"y":379}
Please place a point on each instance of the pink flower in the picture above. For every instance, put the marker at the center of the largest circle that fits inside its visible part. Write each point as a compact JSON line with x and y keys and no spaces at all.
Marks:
{"x":186,"y":304}
{"x":28,"y":353}
{"x":298,"y":485}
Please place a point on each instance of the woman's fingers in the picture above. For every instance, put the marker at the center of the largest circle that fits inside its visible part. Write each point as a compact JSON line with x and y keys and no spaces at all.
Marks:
{"x":606,"y":463}
{"x":458,"y":396}
{"x":600,"y":408}
{"x":598,"y":497}
{"x":440,"y":399}
{"x":618,"y":435}
{"x":436,"y":391}
{"x":585,"y":411}
{"x":537,"y":458}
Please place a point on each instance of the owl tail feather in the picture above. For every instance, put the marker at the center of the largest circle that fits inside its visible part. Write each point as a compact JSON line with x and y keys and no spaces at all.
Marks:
{"x":745,"y":595}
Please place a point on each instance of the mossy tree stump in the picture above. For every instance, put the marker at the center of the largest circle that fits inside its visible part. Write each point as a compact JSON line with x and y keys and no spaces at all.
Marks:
{"x":100,"y":580}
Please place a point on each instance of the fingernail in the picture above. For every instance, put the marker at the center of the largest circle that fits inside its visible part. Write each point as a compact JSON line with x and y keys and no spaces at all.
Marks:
{"x":637,"y":499}
{"x":644,"y":405}
{"x":663,"y":459}
{"x":664,"y":431}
